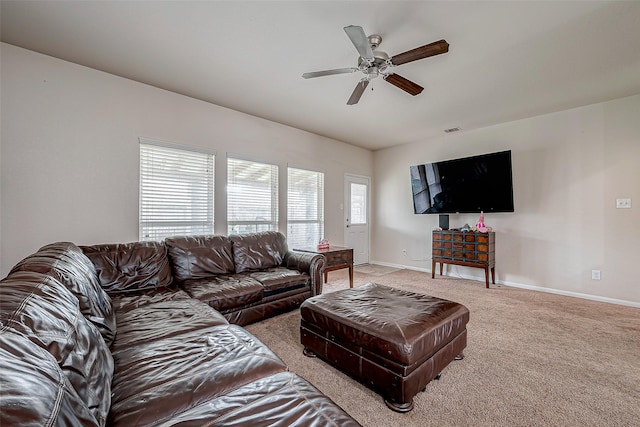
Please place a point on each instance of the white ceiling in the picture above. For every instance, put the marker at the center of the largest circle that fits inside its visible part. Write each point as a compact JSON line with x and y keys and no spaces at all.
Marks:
{"x":507,"y":60}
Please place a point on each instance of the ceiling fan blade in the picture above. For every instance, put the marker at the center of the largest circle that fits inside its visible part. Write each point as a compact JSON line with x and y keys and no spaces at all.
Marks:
{"x":404,"y":84}
{"x":358,"y":91}
{"x":329,"y":72}
{"x":360,"y":41}
{"x":431,"y":49}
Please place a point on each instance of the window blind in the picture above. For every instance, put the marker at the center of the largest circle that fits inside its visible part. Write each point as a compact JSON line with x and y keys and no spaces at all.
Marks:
{"x":252,"y":196}
{"x":176,"y":192}
{"x":305,"y":208}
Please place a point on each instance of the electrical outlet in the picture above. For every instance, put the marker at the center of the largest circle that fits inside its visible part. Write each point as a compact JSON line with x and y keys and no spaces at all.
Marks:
{"x":595,"y":274}
{"x":404,"y":252}
{"x":623,"y":203}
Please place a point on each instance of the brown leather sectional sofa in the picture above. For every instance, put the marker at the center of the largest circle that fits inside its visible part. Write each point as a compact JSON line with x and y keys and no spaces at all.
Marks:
{"x":140,"y":334}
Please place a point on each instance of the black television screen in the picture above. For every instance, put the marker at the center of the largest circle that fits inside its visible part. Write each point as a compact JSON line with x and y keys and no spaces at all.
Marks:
{"x":466,"y":185}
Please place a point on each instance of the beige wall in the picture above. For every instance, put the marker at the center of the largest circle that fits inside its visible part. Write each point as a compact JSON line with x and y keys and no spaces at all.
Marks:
{"x":568,"y":169}
{"x":69,"y":171}
{"x":70,"y":162}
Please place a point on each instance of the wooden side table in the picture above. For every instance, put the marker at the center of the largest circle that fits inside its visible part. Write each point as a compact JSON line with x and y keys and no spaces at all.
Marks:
{"x":337,"y":257}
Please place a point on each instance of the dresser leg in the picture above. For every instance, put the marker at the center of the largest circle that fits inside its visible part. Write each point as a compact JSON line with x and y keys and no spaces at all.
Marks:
{"x":493,"y":275}
{"x":433,"y":269}
{"x":351,"y":276}
{"x":486,"y":276}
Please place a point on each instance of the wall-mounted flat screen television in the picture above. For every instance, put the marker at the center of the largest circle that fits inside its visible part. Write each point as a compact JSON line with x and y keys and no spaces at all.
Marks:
{"x":465,"y":185}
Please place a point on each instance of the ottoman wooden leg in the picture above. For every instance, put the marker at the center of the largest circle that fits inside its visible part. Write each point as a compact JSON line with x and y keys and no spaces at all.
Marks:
{"x":308,"y":352}
{"x":459,"y":357}
{"x":399,"y":407}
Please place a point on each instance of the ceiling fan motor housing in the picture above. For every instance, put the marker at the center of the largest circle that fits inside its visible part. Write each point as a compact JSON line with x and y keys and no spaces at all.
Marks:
{"x":380,"y":59}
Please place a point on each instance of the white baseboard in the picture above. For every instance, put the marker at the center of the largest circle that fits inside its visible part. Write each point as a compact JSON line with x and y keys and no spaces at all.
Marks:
{"x":521,"y":286}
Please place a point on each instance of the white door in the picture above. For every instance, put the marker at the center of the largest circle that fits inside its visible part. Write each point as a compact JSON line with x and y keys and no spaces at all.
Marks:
{"x":356,"y":213}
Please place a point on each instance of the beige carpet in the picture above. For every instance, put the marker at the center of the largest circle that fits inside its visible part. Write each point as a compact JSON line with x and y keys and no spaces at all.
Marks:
{"x":532,"y":359}
{"x":375,"y":269}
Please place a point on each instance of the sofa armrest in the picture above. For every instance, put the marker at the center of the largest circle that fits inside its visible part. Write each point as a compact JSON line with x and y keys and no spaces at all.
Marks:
{"x":310,"y":263}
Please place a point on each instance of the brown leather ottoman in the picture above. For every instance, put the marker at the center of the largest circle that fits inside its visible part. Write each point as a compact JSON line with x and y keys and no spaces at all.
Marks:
{"x":391,"y":340}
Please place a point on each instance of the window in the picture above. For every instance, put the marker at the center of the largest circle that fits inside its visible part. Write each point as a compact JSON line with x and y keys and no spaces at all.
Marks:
{"x":252,"y":196}
{"x":176,"y":192}
{"x":305,"y":208}
{"x":358,"y":204}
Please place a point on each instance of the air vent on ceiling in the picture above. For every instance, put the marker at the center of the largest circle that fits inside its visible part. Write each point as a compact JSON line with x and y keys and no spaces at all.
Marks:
{"x":452,"y":130}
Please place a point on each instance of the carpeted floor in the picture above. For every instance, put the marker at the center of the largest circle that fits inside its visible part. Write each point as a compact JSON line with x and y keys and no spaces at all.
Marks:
{"x":374,"y":269}
{"x":532,"y":359}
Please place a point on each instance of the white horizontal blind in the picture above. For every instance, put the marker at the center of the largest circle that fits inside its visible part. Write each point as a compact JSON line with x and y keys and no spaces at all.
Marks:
{"x":305,"y":208}
{"x":252,"y":196}
{"x":176,"y":192}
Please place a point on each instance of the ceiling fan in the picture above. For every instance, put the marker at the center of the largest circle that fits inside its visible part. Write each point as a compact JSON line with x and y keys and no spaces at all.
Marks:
{"x":374,"y":63}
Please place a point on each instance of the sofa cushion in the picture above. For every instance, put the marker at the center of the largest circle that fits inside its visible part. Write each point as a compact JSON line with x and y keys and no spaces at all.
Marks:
{"x":157,"y":380}
{"x":131,"y":300}
{"x":257,"y":251}
{"x":35,"y":391}
{"x":254,"y":405}
{"x":157,"y":321}
{"x":67,"y":264}
{"x":130,"y":267}
{"x":224,"y":292}
{"x":199,"y":257}
{"x":277,"y":280}
{"x":44,"y":311}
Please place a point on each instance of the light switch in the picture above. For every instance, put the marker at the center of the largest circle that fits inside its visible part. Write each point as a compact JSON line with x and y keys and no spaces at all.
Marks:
{"x":623,"y":203}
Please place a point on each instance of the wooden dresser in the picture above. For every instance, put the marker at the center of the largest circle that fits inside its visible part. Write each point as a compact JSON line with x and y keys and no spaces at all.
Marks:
{"x":464,"y":248}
